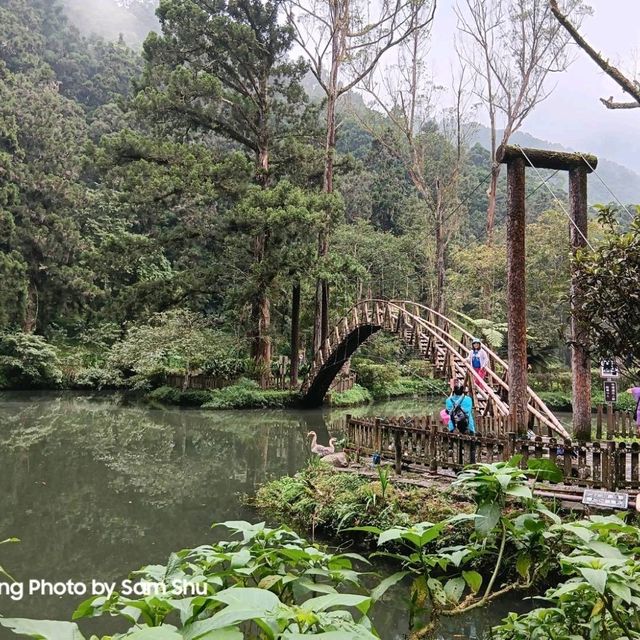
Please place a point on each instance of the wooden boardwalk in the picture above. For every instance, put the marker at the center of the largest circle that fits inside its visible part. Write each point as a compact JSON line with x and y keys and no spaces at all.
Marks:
{"x":424,"y":443}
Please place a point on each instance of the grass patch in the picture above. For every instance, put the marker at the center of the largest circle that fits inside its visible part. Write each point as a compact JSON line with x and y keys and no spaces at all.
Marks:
{"x":321,"y":499}
{"x":177,"y":397}
{"x":355,"y":395}
{"x":247,"y":394}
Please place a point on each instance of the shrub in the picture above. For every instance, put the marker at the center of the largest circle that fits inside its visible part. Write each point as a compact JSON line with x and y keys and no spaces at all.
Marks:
{"x":28,"y":362}
{"x":322,"y":499}
{"x":376,"y":377}
{"x":353,"y":396}
{"x":171,"y":395}
{"x":95,"y":378}
{"x":261,"y":579}
{"x":246,"y":394}
{"x":174,"y":341}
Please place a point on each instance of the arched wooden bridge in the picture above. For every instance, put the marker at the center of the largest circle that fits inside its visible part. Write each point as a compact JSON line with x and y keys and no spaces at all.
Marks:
{"x":438,"y":339}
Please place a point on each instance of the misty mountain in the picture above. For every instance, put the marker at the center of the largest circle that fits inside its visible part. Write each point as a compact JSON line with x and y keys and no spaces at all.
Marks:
{"x":132,"y":19}
{"x":624,"y":182}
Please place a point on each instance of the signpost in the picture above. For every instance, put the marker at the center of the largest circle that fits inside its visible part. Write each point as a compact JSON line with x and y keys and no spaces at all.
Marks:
{"x":610,"y":391}
{"x":610,"y":372}
{"x":609,"y":369}
{"x":607,"y":499}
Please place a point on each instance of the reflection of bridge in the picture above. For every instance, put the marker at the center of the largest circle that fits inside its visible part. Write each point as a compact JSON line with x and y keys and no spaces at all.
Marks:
{"x":438,"y":339}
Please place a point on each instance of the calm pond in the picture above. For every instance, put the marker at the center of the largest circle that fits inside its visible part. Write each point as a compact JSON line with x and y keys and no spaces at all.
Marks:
{"x":95,"y":489}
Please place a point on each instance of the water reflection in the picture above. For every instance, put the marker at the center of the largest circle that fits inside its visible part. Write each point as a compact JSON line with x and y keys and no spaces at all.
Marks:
{"x":94,"y":488}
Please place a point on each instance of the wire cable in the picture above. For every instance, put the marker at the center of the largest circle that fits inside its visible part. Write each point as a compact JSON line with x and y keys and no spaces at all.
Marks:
{"x":555,"y":197}
{"x":606,"y":186}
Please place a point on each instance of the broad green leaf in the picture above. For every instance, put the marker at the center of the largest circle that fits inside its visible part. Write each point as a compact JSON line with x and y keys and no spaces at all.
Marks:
{"x":597,"y":578}
{"x":43,"y":629}
{"x":621,"y":590}
{"x":240,"y":559}
{"x":545,"y":469}
{"x":248,"y":597}
{"x":387,"y":583}
{"x":490,"y":512}
{"x":473,"y":579}
{"x":605,"y":550}
{"x":322,"y":603}
{"x":520,"y":491}
{"x":454,"y":588}
{"x":514,"y":461}
{"x":390,"y":534}
{"x":201,"y":630}
{"x":165,"y":632}
{"x":360,"y":634}
{"x":522,"y":564}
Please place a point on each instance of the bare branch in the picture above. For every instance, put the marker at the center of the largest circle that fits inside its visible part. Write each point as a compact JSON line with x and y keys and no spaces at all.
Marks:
{"x":628,"y":85}
{"x":610,"y":104}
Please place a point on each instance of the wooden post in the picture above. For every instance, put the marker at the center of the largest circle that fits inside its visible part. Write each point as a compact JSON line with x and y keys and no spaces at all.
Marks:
{"x":397,"y":442}
{"x":580,"y":361}
{"x":516,"y":295}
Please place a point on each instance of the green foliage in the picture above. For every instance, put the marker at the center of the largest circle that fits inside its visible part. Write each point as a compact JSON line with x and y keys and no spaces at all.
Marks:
{"x":319,"y":499}
{"x":173,"y":396}
{"x":507,"y":550}
{"x":377,"y":378}
{"x":600,"y":594}
{"x":174,"y":341}
{"x":246,"y":394}
{"x":28,"y":361}
{"x":608,"y":276}
{"x":270,"y":582}
{"x":354,"y":396}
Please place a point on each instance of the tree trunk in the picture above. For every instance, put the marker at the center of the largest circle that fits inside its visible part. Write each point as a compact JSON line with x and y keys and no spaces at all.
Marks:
{"x":440,"y":254}
{"x":295,"y":333}
{"x":321,"y":323}
{"x":30,"y":320}
{"x":491,"y":205}
{"x":516,"y":296}
{"x":580,"y":361}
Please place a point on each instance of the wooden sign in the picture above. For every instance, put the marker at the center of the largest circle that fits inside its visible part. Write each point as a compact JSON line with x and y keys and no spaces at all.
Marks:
{"x":606,"y":499}
{"x":610,"y":391}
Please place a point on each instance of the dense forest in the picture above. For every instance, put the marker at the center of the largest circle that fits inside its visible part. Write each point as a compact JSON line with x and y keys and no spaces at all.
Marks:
{"x":176,"y":196}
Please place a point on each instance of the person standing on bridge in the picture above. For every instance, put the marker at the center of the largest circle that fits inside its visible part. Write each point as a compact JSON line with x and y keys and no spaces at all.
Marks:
{"x":479,"y":360}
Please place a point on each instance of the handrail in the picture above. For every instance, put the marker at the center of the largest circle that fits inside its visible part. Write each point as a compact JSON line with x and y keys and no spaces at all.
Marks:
{"x":360,"y":313}
{"x":532,"y":394}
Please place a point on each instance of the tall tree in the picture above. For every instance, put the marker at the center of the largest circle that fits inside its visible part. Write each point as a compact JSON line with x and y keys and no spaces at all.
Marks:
{"x":512,"y":47}
{"x":223,"y":68}
{"x":344,"y":41}
{"x":410,"y":133}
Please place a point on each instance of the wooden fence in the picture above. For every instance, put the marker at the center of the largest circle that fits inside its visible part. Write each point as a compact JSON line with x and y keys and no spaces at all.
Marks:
{"x":425,"y":443}
{"x":197,"y":382}
{"x":615,"y":424}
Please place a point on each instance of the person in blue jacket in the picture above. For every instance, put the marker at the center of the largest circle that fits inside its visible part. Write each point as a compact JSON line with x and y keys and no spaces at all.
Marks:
{"x":459,"y":397}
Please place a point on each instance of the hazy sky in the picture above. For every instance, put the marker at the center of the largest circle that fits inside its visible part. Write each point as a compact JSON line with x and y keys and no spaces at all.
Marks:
{"x":573,"y":115}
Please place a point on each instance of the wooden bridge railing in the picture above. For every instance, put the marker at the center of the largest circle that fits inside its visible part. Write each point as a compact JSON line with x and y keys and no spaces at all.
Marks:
{"x":424,"y":442}
{"x":431,"y":334}
{"x":498,"y":373}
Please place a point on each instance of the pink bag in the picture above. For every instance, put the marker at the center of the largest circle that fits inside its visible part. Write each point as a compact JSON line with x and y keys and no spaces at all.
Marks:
{"x":444,"y":417}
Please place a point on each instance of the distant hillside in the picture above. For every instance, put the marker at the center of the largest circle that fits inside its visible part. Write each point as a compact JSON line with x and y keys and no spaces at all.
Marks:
{"x":621,"y":180}
{"x":110,"y":18}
